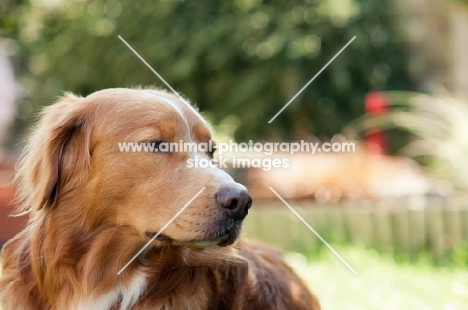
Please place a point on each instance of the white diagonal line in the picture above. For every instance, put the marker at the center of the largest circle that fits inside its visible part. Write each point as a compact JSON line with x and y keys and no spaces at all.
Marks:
{"x":160,"y":77}
{"x":313,"y":230}
{"x":161,"y":230}
{"x":308,"y":83}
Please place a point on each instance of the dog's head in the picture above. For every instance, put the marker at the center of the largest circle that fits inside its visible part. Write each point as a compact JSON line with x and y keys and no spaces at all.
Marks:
{"x":74,"y":160}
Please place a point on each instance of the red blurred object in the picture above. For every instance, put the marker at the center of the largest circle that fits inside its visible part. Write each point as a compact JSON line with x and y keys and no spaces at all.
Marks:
{"x":375,"y":103}
{"x":9,"y":226}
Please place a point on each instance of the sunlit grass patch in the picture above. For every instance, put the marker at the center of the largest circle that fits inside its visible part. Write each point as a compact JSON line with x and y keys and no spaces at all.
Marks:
{"x":381,"y":283}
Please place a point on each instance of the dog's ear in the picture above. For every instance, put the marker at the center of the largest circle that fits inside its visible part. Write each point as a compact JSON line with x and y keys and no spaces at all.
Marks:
{"x":57,"y":156}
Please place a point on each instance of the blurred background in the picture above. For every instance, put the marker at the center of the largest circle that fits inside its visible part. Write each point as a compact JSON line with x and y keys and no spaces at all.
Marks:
{"x":396,"y":209}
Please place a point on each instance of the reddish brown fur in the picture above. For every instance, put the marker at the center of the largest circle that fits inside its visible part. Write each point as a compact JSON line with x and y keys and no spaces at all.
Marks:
{"x":90,"y":205}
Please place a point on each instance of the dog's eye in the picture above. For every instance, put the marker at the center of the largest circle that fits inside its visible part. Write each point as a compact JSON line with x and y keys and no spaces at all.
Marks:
{"x":159,"y":146}
{"x":213,"y":149}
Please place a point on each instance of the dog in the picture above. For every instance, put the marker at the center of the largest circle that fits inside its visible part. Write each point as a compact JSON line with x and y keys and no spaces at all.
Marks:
{"x":92,"y":208}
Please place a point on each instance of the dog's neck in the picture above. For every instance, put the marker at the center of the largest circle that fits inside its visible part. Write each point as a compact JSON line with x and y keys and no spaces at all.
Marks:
{"x":66,"y":256}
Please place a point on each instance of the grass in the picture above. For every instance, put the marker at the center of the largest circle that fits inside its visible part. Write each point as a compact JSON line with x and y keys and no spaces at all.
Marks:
{"x":381,"y":283}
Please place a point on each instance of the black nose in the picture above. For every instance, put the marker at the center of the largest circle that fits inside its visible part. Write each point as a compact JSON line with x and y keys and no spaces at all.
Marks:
{"x":236,"y":202}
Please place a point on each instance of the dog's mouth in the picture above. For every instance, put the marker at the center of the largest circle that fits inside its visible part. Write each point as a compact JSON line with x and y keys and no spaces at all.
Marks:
{"x":225,"y":236}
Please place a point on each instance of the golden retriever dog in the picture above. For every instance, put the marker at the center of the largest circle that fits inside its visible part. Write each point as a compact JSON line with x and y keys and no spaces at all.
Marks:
{"x":92,"y":208}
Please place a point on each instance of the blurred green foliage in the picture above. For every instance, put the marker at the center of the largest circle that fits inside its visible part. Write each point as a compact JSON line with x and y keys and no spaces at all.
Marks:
{"x":244,"y":57}
{"x":437,"y":126}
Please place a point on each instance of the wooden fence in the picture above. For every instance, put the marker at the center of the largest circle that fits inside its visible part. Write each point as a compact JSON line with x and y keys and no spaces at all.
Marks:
{"x":437,"y":229}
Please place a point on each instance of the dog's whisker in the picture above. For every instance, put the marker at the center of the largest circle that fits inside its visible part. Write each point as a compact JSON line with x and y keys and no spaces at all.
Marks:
{"x":108,"y":239}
